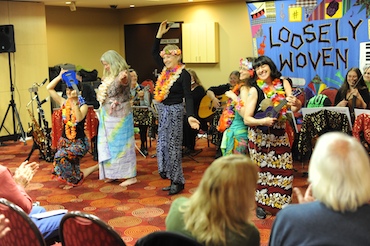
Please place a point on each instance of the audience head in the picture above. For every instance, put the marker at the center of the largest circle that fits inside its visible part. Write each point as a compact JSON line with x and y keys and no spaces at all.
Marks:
{"x":234,"y":78}
{"x":113,"y":63}
{"x":339,"y":172}
{"x":215,"y":205}
{"x":265,"y":68}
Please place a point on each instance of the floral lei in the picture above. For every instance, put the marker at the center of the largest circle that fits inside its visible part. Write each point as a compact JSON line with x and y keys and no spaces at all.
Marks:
{"x":69,"y":118}
{"x":276,"y":95}
{"x":228,"y":114}
{"x":165,"y":82}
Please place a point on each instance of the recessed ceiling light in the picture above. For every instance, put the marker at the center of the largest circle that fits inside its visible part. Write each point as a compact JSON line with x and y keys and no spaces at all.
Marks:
{"x":132,"y":5}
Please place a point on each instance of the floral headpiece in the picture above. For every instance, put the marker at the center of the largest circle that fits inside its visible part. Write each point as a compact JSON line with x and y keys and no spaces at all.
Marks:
{"x":247,"y":63}
{"x":176,"y":52}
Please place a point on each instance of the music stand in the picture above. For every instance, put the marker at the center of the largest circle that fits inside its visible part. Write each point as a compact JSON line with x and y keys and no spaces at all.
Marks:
{"x":15,"y":114}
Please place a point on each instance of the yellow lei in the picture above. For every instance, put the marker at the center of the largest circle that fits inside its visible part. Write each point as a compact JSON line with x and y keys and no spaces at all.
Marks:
{"x":69,"y":120}
{"x":165,"y":82}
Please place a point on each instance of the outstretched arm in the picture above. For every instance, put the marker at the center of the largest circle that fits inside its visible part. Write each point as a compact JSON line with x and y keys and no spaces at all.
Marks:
{"x":51,"y":88}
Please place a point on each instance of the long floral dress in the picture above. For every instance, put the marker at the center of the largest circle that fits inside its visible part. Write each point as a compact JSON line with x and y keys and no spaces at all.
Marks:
{"x":271,"y":150}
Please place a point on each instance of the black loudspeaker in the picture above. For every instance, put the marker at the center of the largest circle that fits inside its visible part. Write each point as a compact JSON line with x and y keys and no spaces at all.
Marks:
{"x":7,"y":39}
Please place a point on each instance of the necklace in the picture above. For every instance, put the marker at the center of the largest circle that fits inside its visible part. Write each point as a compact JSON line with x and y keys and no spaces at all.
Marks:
{"x":165,"y":82}
{"x":276,"y":94}
{"x":69,"y":120}
{"x":228,"y":114}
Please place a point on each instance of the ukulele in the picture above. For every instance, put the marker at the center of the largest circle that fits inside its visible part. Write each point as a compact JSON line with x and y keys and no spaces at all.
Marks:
{"x":273,"y":112}
{"x":206,"y":108}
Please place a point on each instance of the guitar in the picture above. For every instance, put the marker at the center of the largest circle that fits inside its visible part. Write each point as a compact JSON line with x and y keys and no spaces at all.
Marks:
{"x":273,"y":112}
{"x":206,"y":108}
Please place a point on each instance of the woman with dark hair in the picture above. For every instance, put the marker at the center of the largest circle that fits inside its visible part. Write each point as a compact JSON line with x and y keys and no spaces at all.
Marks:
{"x":353,"y":93}
{"x":73,"y":144}
{"x":231,"y":123}
{"x":269,"y":145}
{"x":173,"y":84}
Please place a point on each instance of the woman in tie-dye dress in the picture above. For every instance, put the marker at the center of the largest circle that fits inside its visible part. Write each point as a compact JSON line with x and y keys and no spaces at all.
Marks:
{"x":116,"y":141}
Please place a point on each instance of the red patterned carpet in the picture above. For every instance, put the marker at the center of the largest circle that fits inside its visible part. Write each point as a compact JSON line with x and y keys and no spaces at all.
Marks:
{"x":133,"y":211}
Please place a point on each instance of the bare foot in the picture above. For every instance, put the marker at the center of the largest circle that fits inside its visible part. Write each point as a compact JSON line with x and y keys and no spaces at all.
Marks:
{"x":110,"y":180}
{"x":90,"y":170}
{"x":67,"y":187}
{"x":128,"y":182}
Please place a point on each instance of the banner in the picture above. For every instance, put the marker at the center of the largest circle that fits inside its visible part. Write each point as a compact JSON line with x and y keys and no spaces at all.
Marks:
{"x":313,"y":40}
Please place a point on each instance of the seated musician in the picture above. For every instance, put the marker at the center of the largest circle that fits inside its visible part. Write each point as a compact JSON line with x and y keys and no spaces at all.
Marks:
{"x":213,"y":93}
{"x":140,"y":96}
{"x":353,"y":93}
{"x":189,"y":136}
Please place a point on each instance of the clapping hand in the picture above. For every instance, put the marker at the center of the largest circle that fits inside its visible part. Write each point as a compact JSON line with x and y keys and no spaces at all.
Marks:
{"x":308,"y":197}
{"x":4,"y":228}
{"x":25,"y":172}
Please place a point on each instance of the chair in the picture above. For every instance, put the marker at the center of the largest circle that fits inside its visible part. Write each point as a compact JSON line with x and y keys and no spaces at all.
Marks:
{"x":330,"y":92}
{"x":22,"y":229}
{"x":166,"y":238}
{"x":150,"y":83}
{"x":77,"y":228}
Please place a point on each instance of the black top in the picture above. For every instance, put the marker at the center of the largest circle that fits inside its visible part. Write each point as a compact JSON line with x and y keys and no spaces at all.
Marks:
{"x":220,"y":89}
{"x":180,"y":89}
{"x":364,"y":92}
{"x":80,"y":130}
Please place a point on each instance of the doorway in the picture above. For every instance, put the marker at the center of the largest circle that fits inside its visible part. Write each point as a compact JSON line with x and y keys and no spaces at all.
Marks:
{"x":139,"y":39}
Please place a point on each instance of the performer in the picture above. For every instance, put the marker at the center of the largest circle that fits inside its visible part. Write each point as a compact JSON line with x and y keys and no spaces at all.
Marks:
{"x":171,"y":87}
{"x":116,"y":141}
{"x":231,"y":123}
{"x":269,"y":145}
{"x":73,"y":144}
{"x":213,"y":92}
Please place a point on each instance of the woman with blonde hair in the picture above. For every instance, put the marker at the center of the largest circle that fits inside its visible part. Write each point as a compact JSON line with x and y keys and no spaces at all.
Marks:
{"x":173,"y":84}
{"x":116,"y":141}
{"x":336,"y":209}
{"x":219,"y":211}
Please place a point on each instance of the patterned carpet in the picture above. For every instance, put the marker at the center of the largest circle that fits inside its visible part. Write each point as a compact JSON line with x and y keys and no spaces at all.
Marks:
{"x":133,"y":211}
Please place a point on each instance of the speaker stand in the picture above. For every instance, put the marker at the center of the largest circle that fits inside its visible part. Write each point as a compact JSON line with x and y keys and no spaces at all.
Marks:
{"x":15,"y":115}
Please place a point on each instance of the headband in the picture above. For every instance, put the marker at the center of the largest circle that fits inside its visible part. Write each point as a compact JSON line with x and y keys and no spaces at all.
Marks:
{"x":176,"y":52}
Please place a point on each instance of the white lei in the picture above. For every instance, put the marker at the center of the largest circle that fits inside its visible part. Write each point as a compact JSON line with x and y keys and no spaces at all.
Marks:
{"x":103,"y":89}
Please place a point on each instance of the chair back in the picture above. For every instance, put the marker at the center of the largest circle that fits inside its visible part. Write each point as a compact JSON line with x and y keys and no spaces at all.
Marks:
{"x":22,"y":229}
{"x":166,"y":238}
{"x":150,"y":83}
{"x":330,"y":92}
{"x":77,"y":228}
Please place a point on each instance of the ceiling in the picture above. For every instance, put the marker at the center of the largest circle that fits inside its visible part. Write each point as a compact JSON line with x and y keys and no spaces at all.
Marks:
{"x":118,"y":4}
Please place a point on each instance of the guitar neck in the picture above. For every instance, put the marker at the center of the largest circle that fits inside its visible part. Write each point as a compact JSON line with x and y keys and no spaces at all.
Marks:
{"x":284,"y":101}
